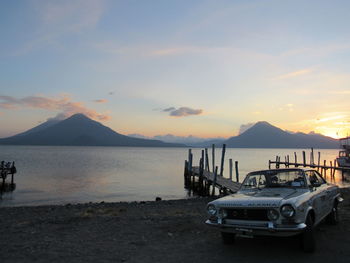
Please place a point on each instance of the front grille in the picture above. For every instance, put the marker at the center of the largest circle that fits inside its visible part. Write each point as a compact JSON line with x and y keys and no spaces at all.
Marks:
{"x":247,"y":214}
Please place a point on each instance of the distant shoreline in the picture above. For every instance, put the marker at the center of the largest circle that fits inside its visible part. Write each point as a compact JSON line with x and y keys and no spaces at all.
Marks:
{"x":160,"y":147}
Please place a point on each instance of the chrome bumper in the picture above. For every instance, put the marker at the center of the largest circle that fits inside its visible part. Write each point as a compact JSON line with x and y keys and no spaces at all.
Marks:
{"x":258,"y":228}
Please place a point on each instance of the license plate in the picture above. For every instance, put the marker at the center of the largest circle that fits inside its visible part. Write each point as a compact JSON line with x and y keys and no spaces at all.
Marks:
{"x":242,"y":232}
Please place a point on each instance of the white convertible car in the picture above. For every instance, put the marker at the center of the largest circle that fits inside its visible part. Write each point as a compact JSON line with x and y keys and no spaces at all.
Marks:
{"x":280,"y":202}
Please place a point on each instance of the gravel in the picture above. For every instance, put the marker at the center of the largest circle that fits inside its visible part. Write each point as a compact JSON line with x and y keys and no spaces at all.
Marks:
{"x":163,"y":231}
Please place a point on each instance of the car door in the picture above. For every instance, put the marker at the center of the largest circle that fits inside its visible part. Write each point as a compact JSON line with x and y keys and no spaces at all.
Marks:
{"x":328,"y":192}
{"x":318,"y":195}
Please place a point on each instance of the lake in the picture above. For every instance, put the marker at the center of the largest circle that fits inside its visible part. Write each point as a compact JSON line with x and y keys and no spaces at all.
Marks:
{"x":61,"y":175}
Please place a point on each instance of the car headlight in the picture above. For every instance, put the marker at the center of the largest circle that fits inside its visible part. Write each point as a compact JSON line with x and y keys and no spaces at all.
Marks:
{"x":272,"y":214}
{"x":223,"y":213}
{"x":287,"y":211}
{"x":211,"y":210}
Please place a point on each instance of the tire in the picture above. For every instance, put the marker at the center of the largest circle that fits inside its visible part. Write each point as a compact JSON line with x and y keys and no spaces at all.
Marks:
{"x":307,"y":239}
{"x":228,"y":238}
{"x":333,"y":217}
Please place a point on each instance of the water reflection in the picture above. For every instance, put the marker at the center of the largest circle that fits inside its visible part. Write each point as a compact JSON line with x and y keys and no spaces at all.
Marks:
{"x":56,"y":175}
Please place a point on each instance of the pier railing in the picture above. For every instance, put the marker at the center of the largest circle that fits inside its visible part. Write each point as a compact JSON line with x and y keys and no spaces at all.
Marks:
{"x":201,"y":180}
{"x":322,"y":167}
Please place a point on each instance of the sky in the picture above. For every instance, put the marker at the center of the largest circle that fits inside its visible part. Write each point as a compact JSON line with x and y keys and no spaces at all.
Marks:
{"x":201,"y":68}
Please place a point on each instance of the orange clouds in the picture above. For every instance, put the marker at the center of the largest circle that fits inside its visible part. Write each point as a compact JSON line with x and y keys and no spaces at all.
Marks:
{"x":295,"y":74}
{"x":63,"y":104}
{"x":101,"y":101}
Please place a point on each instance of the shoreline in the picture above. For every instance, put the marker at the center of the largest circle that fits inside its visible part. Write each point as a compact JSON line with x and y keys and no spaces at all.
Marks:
{"x":149,"y":231}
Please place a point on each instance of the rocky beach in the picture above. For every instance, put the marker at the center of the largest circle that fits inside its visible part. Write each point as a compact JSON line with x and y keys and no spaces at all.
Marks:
{"x":163,"y":231}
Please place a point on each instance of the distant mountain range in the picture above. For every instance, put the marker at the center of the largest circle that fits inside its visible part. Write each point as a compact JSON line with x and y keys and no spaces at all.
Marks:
{"x":187,"y":140}
{"x":265,"y":135}
{"x":79,"y":130}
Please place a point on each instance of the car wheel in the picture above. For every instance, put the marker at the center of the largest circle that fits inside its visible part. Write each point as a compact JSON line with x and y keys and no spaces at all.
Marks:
{"x":333,"y":217}
{"x":228,"y":238}
{"x":307,"y":237}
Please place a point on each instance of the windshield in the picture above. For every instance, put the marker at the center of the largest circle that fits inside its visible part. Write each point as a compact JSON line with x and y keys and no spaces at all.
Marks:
{"x":272,"y":179}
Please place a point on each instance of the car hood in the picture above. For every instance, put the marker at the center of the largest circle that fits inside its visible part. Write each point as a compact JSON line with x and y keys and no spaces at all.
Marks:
{"x":271,"y":197}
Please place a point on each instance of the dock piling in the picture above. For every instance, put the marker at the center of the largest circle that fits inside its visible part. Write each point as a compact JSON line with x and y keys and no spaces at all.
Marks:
{"x":206,"y":160}
{"x":213,"y":157}
{"x":214,"y":181}
{"x":236,"y":168}
{"x":222,"y":160}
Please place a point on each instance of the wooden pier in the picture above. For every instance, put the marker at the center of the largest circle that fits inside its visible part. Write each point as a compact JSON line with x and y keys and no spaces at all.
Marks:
{"x":7,"y":169}
{"x":202,"y":181}
{"x":320,"y":166}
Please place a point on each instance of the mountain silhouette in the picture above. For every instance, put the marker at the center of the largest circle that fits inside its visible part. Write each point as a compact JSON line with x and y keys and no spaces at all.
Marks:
{"x":265,"y":135}
{"x":78,"y":130}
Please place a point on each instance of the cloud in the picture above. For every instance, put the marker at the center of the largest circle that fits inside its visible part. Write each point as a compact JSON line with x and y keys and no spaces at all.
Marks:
{"x":294,"y":74}
{"x":58,"y":117}
{"x":101,"y":101}
{"x":62,"y":103}
{"x":182,"y":111}
{"x":245,"y":127}
{"x":331,"y":118}
{"x":169,"y":109}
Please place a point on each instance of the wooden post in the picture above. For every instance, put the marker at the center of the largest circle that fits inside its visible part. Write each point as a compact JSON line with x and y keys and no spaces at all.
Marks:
{"x":231,"y":168}
{"x":3,"y":184}
{"x":304,"y":159}
{"x":203,"y":157}
{"x":312,"y":162}
{"x":213,"y":157}
{"x":269,"y":164}
{"x":222,"y":160}
{"x":288,"y":160}
{"x":325,"y":169}
{"x":285,"y":161}
{"x":187,"y":175}
{"x":201,"y":171}
{"x":236,"y":168}
{"x":335,"y":165}
{"x":318,"y":160}
{"x":190,"y":160}
{"x":295,"y":159}
{"x":277,"y":162}
{"x":206,"y":160}
{"x":331,"y":172}
{"x":214,"y":181}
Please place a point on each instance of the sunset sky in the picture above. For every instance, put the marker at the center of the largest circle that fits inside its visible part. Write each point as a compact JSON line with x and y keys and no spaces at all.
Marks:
{"x":201,"y":68}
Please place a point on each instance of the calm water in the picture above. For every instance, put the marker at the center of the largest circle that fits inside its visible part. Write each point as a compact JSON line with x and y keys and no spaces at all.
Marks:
{"x":59,"y":175}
